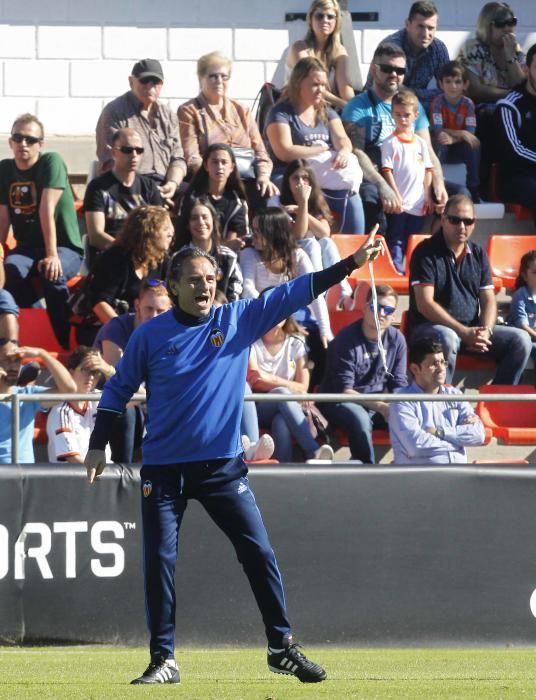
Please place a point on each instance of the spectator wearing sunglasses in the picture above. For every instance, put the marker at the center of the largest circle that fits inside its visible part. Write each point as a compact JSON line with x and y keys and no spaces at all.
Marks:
{"x":323,"y":41}
{"x":432,"y":432}
{"x":425,"y":53}
{"x":452,"y":297}
{"x":141,"y":109}
{"x":368,"y":121}
{"x":493,"y":57}
{"x":213,"y":117}
{"x":110,"y":197}
{"x":36,"y":200}
{"x":354,"y":366}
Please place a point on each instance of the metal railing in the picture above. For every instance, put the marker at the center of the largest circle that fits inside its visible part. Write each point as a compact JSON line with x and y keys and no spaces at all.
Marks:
{"x":50,"y":397}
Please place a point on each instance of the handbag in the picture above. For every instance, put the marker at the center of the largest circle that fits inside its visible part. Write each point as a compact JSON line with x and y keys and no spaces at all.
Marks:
{"x":330,"y":178}
{"x":244,"y":157}
{"x":245,"y":162}
{"x":318,"y":424}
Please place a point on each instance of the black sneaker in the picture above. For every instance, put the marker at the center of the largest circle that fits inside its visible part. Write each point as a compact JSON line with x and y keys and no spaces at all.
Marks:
{"x":292,"y":662}
{"x":160,"y":670}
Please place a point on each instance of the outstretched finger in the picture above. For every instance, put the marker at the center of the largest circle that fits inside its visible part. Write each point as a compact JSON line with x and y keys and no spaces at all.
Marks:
{"x":372,"y":234}
{"x":91,"y":475}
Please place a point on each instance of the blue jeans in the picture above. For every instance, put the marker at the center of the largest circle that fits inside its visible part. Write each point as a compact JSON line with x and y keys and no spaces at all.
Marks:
{"x":349,"y":207}
{"x":21,"y":266}
{"x":511,"y":347}
{"x":7,"y":303}
{"x":399,"y":227}
{"x":357,"y":422}
{"x":462,"y":152}
{"x":249,"y":424}
{"x":287,"y":420}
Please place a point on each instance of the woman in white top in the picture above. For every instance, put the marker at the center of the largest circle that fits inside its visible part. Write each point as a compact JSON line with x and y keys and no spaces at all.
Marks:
{"x":323,"y":41}
{"x":275,"y":258}
{"x":278,"y":365}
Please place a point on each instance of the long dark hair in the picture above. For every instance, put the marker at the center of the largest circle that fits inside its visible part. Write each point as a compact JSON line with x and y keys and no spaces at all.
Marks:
{"x":524,"y":265}
{"x":275,"y":226}
{"x":317,"y":202}
{"x":183,"y":234}
{"x":200,"y":184}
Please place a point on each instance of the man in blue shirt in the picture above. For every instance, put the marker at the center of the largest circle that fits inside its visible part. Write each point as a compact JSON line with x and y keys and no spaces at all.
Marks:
{"x":432,"y":432}
{"x":354,"y":366}
{"x":193,"y":360}
{"x":368,"y":120}
{"x":425,"y":53}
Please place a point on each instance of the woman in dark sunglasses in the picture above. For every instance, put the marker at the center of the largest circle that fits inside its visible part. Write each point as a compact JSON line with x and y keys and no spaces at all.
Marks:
{"x":323,"y":41}
{"x":493,"y":57}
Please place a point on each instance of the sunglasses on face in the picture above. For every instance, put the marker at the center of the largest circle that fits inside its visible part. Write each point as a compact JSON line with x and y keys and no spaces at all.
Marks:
{"x":30,"y":140}
{"x":457,"y":220}
{"x":502,"y":23}
{"x":218,"y":76}
{"x":154,"y":283}
{"x":129,"y":150}
{"x":386,"y":68}
{"x":387,"y":310}
{"x":150,"y":79}
{"x":325,"y":15}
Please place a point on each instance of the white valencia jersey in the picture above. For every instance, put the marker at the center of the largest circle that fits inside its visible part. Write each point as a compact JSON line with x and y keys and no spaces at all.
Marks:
{"x":68,"y":430}
{"x":408,"y":160}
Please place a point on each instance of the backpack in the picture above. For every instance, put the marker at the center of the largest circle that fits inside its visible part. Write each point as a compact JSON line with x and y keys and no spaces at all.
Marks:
{"x":265,"y":100}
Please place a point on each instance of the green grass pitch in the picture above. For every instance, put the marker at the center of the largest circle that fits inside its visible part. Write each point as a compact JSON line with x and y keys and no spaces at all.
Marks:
{"x":241,"y":674}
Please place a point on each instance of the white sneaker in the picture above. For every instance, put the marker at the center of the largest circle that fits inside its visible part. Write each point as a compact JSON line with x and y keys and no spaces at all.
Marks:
{"x":246,"y":444}
{"x":258,"y":451}
{"x":323,"y":454}
{"x":264,"y":449}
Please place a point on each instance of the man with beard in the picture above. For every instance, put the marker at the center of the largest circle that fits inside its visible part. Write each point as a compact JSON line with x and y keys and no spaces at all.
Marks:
{"x":368,"y":120}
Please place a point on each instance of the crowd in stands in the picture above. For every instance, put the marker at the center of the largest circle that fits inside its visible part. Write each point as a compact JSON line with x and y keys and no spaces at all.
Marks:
{"x":263,"y":199}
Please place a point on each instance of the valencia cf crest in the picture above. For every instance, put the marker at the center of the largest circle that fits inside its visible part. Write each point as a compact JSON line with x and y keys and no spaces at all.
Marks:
{"x":217,"y":338}
{"x":147,"y":488}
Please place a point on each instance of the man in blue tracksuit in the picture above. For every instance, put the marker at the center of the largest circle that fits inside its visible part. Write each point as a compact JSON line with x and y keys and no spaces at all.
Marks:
{"x":193,"y":360}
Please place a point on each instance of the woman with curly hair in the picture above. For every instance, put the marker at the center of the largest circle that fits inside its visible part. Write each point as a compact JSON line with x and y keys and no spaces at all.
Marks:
{"x":138,"y":252}
{"x":323,"y":41}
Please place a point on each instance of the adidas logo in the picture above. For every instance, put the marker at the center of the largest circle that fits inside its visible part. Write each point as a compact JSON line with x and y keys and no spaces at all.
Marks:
{"x":165,"y":674}
{"x":242,"y":487}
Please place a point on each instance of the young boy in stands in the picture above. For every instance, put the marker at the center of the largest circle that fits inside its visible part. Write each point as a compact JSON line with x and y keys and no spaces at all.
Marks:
{"x":407,"y":168}
{"x":70,"y":423}
{"x":11,"y":356}
{"x":453,"y":124}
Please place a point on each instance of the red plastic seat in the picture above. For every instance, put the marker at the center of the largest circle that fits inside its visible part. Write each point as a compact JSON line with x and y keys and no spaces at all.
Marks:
{"x":512,"y":422}
{"x":384,"y":268}
{"x":35,"y":330}
{"x":413,"y":242}
{"x":505,"y":252}
{"x":341,"y":317}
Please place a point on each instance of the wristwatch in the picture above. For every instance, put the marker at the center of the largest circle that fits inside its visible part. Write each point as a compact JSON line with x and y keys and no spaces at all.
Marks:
{"x":440,"y":433}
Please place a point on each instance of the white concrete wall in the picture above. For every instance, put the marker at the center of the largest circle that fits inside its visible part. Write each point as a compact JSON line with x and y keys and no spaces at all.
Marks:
{"x":64,"y":59}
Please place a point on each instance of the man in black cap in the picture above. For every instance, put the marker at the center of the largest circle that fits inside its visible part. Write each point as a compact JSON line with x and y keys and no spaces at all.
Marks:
{"x":157,"y":125}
